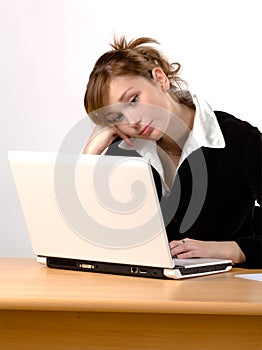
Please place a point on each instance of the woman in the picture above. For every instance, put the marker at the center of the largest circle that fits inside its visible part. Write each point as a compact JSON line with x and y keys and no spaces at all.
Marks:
{"x":136,"y":95}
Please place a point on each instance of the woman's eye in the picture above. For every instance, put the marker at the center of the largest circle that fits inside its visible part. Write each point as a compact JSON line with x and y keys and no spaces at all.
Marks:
{"x":116,"y":119}
{"x":134,"y":100}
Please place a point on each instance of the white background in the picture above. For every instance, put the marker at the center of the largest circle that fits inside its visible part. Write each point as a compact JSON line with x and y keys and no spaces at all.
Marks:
{"x":48,"y":48}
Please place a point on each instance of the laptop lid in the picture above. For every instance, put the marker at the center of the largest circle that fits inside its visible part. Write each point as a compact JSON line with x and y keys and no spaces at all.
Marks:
{"x":96,"y":208}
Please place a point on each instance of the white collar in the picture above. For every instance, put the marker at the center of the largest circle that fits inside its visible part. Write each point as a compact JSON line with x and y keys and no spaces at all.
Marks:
{"x":205,"y":133}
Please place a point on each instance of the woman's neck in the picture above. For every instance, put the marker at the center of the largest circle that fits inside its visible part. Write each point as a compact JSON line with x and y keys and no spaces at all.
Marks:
{"x":180,"y":125}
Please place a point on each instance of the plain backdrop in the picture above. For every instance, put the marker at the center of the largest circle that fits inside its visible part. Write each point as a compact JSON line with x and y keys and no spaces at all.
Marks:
{"x":48,"y":48}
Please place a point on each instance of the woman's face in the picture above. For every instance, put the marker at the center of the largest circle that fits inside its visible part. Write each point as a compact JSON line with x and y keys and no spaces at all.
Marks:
{"x":138,"y":107}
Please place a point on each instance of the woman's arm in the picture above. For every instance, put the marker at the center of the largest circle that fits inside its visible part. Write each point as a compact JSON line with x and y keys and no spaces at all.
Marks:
{"x":99,"y":140}
{"x":252,"y":245}
{"x":102,"y":137}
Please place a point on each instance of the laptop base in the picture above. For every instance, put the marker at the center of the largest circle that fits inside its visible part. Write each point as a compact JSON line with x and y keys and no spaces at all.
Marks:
{"x":178,"y":272}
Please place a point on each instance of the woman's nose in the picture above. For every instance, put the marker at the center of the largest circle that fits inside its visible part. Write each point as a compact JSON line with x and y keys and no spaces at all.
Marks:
{"x":133,"y":119}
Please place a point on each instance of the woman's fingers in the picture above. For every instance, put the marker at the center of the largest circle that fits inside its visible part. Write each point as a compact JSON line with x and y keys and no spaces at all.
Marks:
{"x":184,"y":248}
{"x":191,"y":248}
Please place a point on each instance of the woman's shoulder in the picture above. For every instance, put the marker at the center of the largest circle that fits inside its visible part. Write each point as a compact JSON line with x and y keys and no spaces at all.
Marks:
{"x":227,"y":120}
{"x":236,"y":129}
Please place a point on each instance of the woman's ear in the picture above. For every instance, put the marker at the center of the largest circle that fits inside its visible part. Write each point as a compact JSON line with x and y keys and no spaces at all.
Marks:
{"x":160,"y":77}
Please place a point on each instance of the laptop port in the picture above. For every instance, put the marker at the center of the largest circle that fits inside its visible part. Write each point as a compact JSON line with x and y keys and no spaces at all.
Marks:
{"x":142,"y":271}
{"x":134,"y":269}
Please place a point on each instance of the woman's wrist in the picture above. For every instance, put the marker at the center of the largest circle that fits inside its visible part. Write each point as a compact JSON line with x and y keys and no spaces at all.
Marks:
{"x":235,"y":253}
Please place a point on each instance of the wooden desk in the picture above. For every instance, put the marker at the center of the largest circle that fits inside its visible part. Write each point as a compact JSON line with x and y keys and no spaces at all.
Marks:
{"x":42,"y":308}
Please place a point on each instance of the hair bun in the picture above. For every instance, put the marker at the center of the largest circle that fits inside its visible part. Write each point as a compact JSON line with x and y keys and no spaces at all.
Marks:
{"x":122,"y":44}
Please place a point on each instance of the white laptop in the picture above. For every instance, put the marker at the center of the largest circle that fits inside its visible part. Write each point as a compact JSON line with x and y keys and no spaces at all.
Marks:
{"x":98,"y":214}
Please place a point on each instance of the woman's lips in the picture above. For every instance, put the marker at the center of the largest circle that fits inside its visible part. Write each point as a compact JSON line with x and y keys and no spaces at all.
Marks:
{"x":146,"y":129}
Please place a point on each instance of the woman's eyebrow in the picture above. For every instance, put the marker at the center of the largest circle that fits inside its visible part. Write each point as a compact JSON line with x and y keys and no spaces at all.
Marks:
{"x":121,"y":99}
{"x":109,"y":113}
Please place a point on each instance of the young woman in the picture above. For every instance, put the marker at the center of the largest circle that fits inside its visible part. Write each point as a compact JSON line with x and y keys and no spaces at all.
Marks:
{"x":136,"y":95}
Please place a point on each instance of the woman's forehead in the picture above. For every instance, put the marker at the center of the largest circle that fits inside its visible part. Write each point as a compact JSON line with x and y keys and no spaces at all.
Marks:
{"x":122,"y":81}
{"x":119,"y":87}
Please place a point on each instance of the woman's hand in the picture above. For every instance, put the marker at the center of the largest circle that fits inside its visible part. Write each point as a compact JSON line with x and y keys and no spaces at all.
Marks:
{"x":191,"y":248}
{"x":102,"y":137}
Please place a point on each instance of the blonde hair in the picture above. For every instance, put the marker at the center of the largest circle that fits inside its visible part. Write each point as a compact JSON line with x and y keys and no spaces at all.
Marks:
{"x":133,"y":58}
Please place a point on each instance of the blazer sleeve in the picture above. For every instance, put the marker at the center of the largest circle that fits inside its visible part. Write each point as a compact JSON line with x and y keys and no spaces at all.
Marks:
{"x":252,"y":245}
